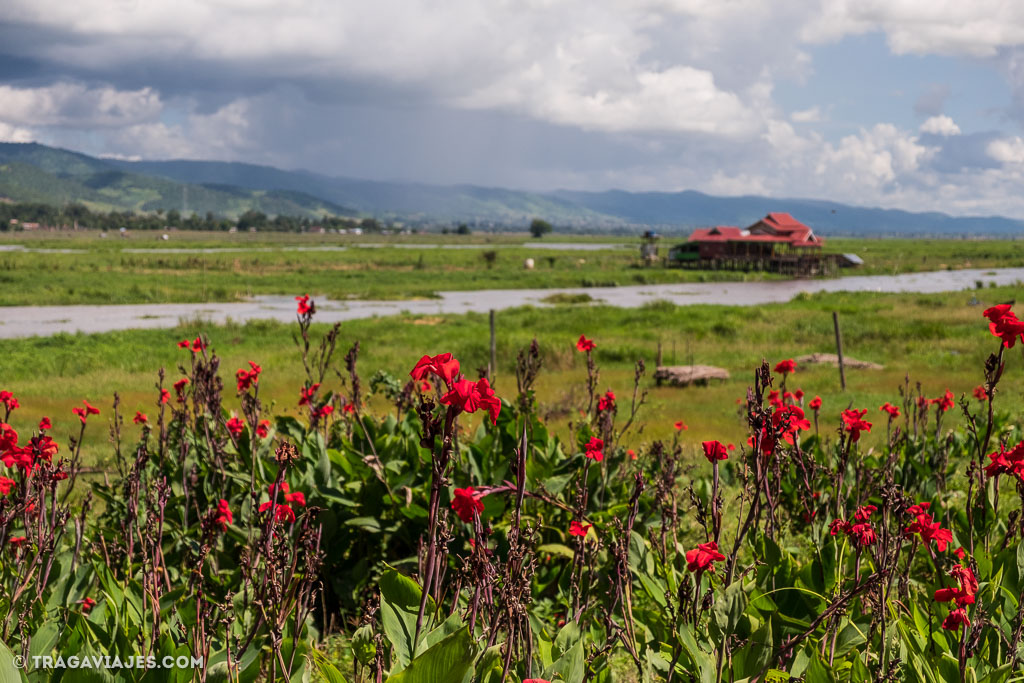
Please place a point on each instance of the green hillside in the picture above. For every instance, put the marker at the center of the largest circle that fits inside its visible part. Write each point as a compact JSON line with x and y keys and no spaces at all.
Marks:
{"x":35,"y":173}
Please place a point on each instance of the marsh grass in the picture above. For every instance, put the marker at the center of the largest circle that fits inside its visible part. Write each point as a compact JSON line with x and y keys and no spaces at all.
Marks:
{"x":932,"y":338}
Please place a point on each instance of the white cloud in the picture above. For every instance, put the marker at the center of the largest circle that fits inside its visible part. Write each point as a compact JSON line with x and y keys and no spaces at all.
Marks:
{"x":75,"y":105}
{"x":10,"y":133}
{"x":811,"y":115}
{"x":940,"y":125}
{"x":1007,"y":150}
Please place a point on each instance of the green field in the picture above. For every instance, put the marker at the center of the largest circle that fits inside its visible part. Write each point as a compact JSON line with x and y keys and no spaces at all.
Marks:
{"x":937,"y":340}
{"x":409,"y":266}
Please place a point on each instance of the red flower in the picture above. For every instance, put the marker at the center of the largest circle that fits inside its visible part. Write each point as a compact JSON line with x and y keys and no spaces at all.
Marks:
{"x":349,"y":408}
{"x":281,"y":513}
{"x":584,"y":344}
{"x":701,"y":557}
{"x":263,"y":429}
{"x":444,"y":365}
{"x":8,"y":437}
{"x":84,"y":413}
{"x":184,"y":344}
{"x":248,"y":378}
{"x":893,"y":411}
{"x":323,"y":411}
{"x":425,"y":386}
{"x":798,"y":394}
{"x":864,"y":534}
{"x":165,"y":396}
{"x":956,"y":619}
{"x":7,"y":398}
{"x":714,"y":450}
{"x":45,"y":424}
{"x":980,"y":393}
{"x":87,"y":604}
{"x":928,"y":529}
{"x":785,"y":367}
{"x":17,"y":541}
{"x":224,"y":516}
{"x":235,"y":426}
{"x":680,"y":426}
{"x":960,"y":553}
{"x":577,"y":529}
{"x":944,"y":402}
{"x":815,"y":404}
{"x":864,"y":513}
{"x":606,"y":402}
{"x":594,"y":448}
{"x":198,"y":344}
{"x":631,"y":453}
{"x":140,"y":418}
{"x":839,"y":525}
{"x":1004,"y":324}
{"x":466,"y":503}
{"x":179,"y":388}
{"x":854,"y":423}
{"x":471,"y":396}
{"x":5,"y":485}
{"x":967,"y":586}
{"x":305,"y":307}
{"x":730,"y":447}
{"x":306,"y":394}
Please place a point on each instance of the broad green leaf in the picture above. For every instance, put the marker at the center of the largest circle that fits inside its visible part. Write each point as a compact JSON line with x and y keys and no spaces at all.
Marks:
{"x":449,"y":660}
{"x":8,"y":672}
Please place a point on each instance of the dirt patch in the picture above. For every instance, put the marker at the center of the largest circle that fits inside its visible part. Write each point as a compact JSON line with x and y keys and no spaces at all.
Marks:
{"x":833,"y":360}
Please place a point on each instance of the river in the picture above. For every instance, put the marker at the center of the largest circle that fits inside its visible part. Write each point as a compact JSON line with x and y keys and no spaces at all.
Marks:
{"x":26,"y":321}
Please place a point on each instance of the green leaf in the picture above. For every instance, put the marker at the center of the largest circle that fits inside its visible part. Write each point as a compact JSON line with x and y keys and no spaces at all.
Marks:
{"x":556,"y":549}
{"x":8,"y":672}
{"x":449,"y":660}
{"x":400,"y":605}
{"x":44,"y":639}
{"x":728,"y":609}
{"x":327,"y":671}
{"x":571,"y":665}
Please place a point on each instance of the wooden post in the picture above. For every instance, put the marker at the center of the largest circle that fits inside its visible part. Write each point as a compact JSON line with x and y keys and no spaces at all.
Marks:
{"x":494,"y":364}
{"x":839,"y":350}
{"x":657,"y":363}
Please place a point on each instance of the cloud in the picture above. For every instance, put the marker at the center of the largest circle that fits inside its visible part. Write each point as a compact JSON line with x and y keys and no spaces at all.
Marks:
{"x":1007,"y":150}
{"x":811,"y":115}
{"x":932,"y":100}
{"x":75,"y":105}
{"x":940,"y":125}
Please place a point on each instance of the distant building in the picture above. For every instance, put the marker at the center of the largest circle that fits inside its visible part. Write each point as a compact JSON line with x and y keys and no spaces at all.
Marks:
{"x":778,"y":243}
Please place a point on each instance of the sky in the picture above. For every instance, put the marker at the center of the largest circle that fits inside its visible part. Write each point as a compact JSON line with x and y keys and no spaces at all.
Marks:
{"x":912,"y":104}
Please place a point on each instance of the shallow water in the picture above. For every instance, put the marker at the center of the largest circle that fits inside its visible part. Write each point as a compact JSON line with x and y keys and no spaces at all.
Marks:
{"x":25,"y":321}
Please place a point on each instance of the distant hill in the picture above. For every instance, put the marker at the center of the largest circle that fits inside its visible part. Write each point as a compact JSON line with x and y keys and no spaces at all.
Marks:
{"x":33,"y":172}
{"x":36,"y":173}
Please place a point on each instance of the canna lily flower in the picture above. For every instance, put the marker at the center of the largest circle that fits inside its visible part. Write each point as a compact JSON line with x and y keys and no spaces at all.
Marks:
{"x":798,"y":394}
{"x":165,"y":396}
{"x":680,"y":426}
{"x":893,"y":411}
{"x":980,"y":393}
{"x":224,"y":516}
{"x":815,"y":404}
{"x":425,"y":386}
{"x":944,"y":402}
{"x":235,"y":426}
{"x":16,"y":541}
{"x":443,"y":365}
{"x":466,"y":503}
{"x":584,"y":345}
{"x":631,"y":453}
{"x":87,"y":604}
{"x":8,"y":400}
{"x":45,"y":424}
{"x":1004,"y":324}
{"x":263,"y":429}
{"x":956,"y":619}
{"x":248,"y":378}
{"x":84,"y":413}
{"x":606,"y":402}
{"x":140,"y":418}
{"x":198,"y":344}
{"x":179,"y":388}
{"x":471,"y":396}
{"x":786,"y":367}
{"x":854,"y":423}
{"x":701,"y":557}
{"x":577,"y":529}
{"x":594,"y":449}
{"x":281,"y":513}
{"x":5,"y":485}
{"x":305,"y":306}
{"x":306,"y":394}
{"x":714,"y":450}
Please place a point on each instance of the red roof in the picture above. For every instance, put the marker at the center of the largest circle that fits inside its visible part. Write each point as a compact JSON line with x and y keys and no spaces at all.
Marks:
{"x":775,"y":227}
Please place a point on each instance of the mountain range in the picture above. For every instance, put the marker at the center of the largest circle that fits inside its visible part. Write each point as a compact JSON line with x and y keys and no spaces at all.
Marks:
{"x":33,"y":172}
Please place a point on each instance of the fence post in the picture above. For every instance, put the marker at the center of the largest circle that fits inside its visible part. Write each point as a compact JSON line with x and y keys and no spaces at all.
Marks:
{"x":839,"y":350}
{"x":493,"y":364}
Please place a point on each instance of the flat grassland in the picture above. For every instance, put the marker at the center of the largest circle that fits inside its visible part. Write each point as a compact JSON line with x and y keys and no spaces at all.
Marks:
{"x":82,"y":268}
{"x":939,"y":340}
